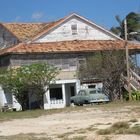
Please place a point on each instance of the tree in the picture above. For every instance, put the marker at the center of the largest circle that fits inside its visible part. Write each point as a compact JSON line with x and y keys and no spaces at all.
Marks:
{"x":133,"y":26}
{"x":27,"y":80}
{"x":106,"y":66}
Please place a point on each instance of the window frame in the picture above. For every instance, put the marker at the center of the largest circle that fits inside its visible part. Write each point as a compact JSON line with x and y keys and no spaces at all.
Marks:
{"x":74,"y":29}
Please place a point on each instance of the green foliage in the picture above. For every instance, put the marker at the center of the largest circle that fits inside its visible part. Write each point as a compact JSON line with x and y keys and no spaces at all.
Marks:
{"x":134,"y":130}
{"x":125,"y":96}
{"x":29,"y":136}
{"x":133,"y":120}
{"x":26,"y":80}
{"x":133,"y":25}
{"x":120,"y":128}
{"x":116,"y":128}
{"x":106,"y":66}
{"x":135,"y":95}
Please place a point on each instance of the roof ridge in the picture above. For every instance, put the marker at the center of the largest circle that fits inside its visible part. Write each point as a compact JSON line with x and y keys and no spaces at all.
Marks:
{"x":30,"y":31}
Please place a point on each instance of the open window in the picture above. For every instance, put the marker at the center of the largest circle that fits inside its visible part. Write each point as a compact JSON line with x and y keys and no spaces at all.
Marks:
{"x":56,"y":93}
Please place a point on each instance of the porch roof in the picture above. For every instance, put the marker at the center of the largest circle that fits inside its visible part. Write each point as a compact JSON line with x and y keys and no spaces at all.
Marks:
{"x":69,"y":46}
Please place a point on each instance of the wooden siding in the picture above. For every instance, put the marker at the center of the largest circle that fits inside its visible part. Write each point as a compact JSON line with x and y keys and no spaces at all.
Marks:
{"x":27,"y":59}
{"x":5,"y":61}
{"x":66,"y":75}
{"x":85,"y":31}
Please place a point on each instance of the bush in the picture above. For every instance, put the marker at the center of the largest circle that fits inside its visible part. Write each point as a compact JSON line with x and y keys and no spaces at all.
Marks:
{"x":135,"y":95}
{"x":125,"y":96}
{"x":116,"y":128}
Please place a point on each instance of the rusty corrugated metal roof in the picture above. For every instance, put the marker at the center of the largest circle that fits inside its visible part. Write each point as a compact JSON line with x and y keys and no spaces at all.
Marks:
{"x":68,"y":46}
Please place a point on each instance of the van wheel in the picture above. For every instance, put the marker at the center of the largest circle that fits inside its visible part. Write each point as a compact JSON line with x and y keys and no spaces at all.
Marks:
{"x":86,"y":102}
{"x":80,"y":104}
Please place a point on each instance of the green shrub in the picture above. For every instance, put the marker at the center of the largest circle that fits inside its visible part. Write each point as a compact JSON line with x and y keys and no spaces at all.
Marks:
{"x":134,"y":130}
{"x":133,"y":120}
{"x":116,"y":128}
{"x":125,"y":96}
{"x":135,"y":95}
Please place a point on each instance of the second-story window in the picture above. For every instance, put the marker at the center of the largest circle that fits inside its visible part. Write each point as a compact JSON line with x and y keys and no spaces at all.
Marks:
{"x":74,"y":29}
{"x":82,"y":64}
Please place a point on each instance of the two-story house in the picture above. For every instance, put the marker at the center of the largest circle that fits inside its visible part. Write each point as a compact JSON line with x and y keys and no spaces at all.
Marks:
{"x":65,"y":43}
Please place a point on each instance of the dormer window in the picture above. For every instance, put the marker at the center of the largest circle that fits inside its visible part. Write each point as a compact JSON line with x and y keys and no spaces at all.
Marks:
{"x":74,"y":29}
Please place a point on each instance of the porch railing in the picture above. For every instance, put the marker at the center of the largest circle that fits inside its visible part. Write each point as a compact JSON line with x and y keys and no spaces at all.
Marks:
{"x":60,"y":101}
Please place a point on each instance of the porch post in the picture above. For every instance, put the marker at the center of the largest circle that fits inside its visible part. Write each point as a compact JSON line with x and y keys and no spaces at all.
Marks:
{"x":47,"y":103}
{"x":1,"y":96}
{"x":48,"y":96}
{"x":77,"y":86}
{"x":64,"y":93}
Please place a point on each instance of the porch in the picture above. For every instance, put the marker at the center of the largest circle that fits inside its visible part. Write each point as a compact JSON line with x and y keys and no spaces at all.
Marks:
{"x":58,"y":95}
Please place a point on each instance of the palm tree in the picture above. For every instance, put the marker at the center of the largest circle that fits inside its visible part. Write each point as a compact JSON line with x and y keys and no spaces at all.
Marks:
{"x":133,"y":26}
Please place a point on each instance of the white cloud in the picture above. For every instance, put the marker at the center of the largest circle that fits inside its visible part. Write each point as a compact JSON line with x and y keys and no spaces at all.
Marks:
{"x":17,"y":18}
{"x":37,"y":15}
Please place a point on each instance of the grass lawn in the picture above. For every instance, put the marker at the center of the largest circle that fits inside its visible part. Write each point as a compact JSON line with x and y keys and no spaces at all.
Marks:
{"x":30,"y":136}
{"x":6,"y":116}
{"x":104,"y":120}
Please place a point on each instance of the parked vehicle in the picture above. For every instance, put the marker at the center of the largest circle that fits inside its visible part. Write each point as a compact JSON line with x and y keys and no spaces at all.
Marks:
{"x":88,"y":96}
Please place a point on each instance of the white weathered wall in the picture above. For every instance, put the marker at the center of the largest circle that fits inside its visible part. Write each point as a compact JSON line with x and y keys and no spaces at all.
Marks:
{"x":5,"y":97}
{"x":1,"y":97}
{"x":64,"y":32}
{"x":16,"y":105}
{"x":8,"y":98}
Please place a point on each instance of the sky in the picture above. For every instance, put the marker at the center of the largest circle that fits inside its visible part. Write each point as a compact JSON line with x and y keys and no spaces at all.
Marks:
{"x":101,"y":12}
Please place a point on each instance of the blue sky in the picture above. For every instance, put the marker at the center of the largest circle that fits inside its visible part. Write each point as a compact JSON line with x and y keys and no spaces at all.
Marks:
{"x":102,"y":12}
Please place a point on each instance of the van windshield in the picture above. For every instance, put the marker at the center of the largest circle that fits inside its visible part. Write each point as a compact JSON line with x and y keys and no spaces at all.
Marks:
{"x":81,"y":92}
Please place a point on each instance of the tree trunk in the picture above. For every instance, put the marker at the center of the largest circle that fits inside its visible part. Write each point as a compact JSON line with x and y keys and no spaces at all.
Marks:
{"x":41,"y":101}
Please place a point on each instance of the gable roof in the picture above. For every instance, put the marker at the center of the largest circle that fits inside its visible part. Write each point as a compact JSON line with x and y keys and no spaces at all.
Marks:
{"x":80,"y":17}
{"x":32,"y":31}
{"x":67,"y":47}
{"x":26,"y":31}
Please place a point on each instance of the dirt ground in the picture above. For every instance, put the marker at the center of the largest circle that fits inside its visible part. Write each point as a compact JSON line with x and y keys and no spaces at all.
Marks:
{"x":81,"y":123}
